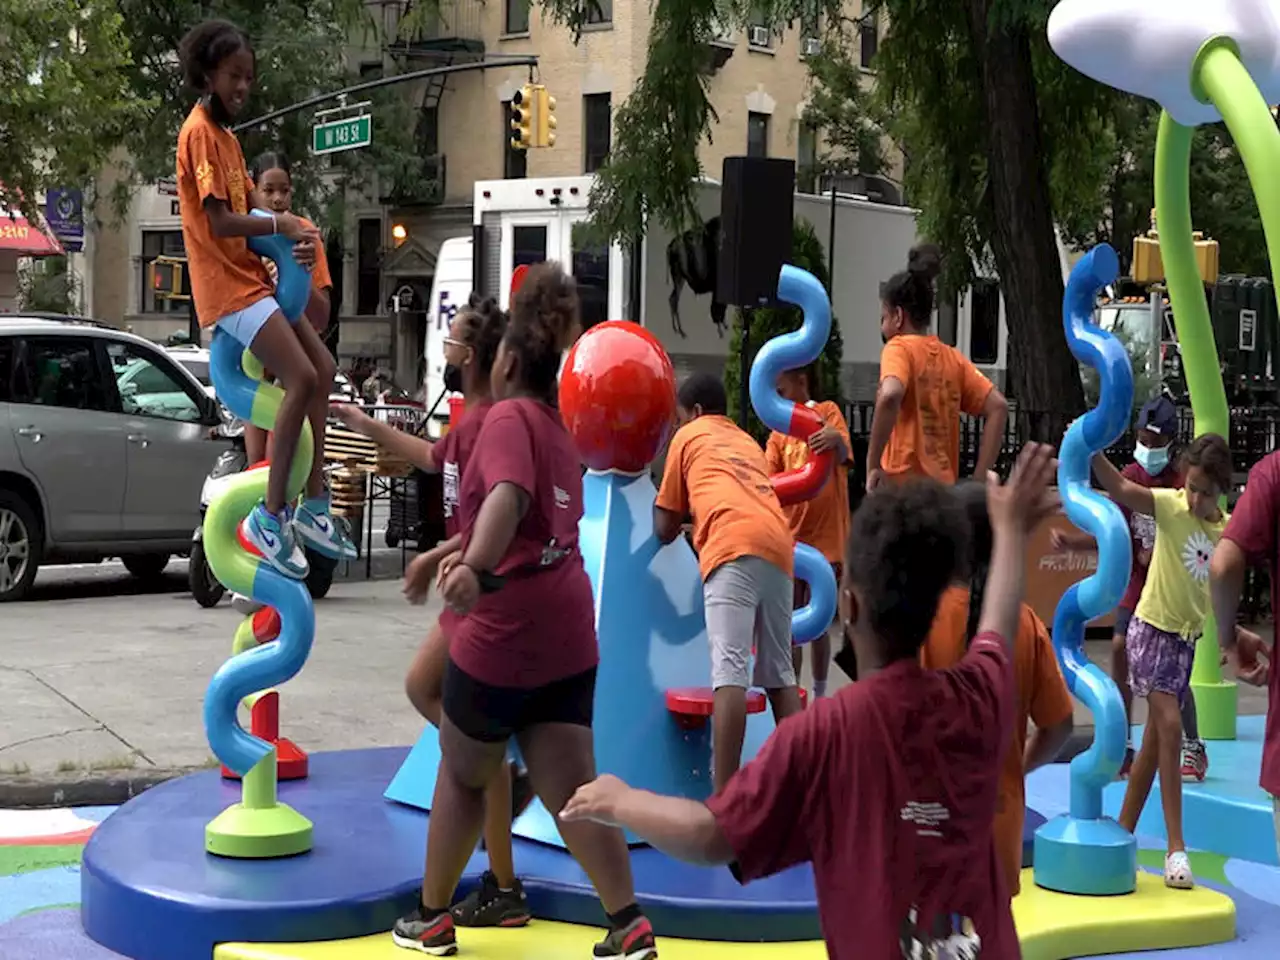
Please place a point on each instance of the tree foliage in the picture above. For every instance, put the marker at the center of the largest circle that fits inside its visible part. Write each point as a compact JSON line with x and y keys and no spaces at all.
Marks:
{"x":48,"y":286}
{"x":841,"y":107}
{"x":769,"y":322}
{"x":300,"y":47}
{"x":65,"y":100}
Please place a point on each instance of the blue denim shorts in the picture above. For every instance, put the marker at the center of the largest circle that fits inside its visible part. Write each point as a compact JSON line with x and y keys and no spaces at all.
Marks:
{"x":245,"y":324}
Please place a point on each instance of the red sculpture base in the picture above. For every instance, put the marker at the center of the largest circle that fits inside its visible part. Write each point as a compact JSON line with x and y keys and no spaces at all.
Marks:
{"x":264,"y":722}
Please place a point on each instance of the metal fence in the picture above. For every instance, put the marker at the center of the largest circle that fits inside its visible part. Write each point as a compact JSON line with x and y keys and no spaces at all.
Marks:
{"x":1254,"y":434}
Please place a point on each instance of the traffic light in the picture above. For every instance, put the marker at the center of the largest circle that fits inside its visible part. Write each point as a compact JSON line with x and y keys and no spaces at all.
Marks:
{"x":546,"y":118}
{"x":169,"y":280}
{"x":522,"y":117}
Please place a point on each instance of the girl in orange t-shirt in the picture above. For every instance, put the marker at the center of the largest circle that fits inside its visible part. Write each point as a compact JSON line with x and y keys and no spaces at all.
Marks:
{"x":232,"y":291}
{"x":924,"y":387}
{"x":1040,"y":695}
{"x":823,"y":522}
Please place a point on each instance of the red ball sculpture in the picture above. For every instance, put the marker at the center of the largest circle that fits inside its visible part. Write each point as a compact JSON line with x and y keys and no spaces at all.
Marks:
{"x":618,"y":396}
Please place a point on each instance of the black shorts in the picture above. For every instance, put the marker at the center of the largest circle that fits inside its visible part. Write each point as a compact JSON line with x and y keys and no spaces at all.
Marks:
{"x":496,"y":714}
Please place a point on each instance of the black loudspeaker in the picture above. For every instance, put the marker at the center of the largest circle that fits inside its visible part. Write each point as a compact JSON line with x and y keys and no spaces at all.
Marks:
{"x":757,"y":204}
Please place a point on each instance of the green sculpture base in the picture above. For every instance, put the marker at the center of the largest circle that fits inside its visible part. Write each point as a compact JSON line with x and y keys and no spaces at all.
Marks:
{"x":1216,"y":706}
{"x":248,"y":833}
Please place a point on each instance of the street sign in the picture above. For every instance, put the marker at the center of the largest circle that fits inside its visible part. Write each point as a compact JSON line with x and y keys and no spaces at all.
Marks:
{"x":336,"y":135}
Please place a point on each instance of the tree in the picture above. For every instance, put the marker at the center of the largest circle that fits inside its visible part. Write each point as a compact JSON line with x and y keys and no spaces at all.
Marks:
{"x":49,"y":286}
{"x":769,"y":322}
{"x":840,"y":107}
{"x":65,"y":101}
{"x":300,"y":49}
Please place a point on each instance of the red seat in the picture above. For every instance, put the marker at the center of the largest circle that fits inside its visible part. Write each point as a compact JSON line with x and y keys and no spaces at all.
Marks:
{"x":691,"y":706}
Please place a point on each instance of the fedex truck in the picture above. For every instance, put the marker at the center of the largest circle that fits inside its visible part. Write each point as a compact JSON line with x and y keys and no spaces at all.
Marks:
{"x":527,"y":221}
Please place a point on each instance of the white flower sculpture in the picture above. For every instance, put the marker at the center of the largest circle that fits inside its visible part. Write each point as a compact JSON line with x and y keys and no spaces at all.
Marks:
{"x":1148,"y":47}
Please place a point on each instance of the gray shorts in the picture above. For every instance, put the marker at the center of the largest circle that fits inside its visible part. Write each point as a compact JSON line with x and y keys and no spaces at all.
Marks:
{"x":749,"y":600}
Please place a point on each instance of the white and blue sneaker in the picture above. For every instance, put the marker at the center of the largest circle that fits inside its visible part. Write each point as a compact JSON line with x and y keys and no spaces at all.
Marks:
{"x":274,"y":538}
{"x":245,"y":606}
{"x":315,"y":525}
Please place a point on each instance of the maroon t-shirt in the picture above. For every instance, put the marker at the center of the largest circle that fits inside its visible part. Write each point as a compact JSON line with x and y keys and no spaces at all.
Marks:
{"x":540,"y":626}
{"x":1142,"y":529}
{"x":452,"y":453}
{"x":889,"y":789}
{"x":1252,"y":528}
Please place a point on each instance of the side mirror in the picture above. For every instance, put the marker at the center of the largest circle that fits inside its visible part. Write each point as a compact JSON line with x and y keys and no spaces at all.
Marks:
{"x":128,"y":390}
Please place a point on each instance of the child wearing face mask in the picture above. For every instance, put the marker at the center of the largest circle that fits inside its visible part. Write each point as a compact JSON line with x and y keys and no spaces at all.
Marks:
{"x":1154,"y":467}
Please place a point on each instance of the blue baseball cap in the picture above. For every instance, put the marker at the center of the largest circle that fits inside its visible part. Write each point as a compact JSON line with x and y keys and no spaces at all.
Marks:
{"x":1159,"y":416}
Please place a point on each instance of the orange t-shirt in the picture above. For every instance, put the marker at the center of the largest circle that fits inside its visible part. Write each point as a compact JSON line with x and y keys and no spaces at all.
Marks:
{"x":717,"y":473}
{"x":321,"y":279}
{"x":225,"y":275}
{"x":940,"y":384}
{"x":823,"y":522}
{"x":1042,"y":697}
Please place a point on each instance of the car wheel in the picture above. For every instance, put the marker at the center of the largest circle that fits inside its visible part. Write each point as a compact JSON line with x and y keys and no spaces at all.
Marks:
{"x":21,"y":543}
{"x":204,"y":585}
{"x":146,"y":566}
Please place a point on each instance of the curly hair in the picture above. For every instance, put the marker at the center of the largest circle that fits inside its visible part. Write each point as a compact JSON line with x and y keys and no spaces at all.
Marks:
{"x":907,"y":545}
{"x":911,"y":290}
{"x":1210,"y":453}
{"x":545,"y":321}
{"x":205,"y":46}
{"x":484,"y":324}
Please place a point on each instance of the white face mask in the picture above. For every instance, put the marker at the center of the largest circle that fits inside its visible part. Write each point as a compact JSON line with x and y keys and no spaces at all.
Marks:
{"x":1151,"y":459}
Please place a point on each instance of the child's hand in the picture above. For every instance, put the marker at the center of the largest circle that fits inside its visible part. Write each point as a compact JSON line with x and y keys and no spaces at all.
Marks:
{"x":272,"y":270}
{"x":349,"y":415}
{"x":460,"y":588}
{"x":875,"y":476}
{"x":304,"y":251}
{"x":293,"y":228}
{"x":1258,"y":675}
{"x":419,"y":575}
{"x":828,"y":438}
{"x":597,"y":800}
{"x":1058,"y":539}
{"x":1248,"y":646}
{"x":446,"y":567}
{"x":1026,"y":499}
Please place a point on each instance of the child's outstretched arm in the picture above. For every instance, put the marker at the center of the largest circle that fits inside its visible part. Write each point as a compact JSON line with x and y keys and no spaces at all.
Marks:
{"x":1121,"y":489}
{"x":1015,"y":508}
{"x":684,"y":829}
{"x":417,"y":451}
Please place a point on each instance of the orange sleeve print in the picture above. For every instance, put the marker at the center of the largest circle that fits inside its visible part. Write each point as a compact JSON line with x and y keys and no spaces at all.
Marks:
{"x":673,"y":495}
{"x":773,"y":452}
{"x":974,"y":389}
{"x":209,"y":169}
{"x":895,"y":361}
{"x":320,"y":276}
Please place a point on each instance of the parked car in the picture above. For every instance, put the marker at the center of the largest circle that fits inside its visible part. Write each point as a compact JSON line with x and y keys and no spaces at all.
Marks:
{"x":196,"y":361}
{"x":105,"y":443}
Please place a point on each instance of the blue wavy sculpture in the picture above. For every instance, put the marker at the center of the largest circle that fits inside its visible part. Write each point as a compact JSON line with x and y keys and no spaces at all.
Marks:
{"x":789,"y":352}
{"x":293,"y":284}
{"x":1084,"y":853}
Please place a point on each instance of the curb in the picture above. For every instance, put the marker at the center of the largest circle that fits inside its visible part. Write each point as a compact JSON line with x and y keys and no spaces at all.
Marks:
{"x":81,"y":790}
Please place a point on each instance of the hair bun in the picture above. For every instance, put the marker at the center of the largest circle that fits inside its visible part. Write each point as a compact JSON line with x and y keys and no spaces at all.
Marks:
{"x":925,"y":261}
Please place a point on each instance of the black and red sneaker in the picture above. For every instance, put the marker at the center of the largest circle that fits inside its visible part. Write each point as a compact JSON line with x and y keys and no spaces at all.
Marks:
{"x":633,"y":942}
{"x":433,"y":936}
{"x":489,"y":905}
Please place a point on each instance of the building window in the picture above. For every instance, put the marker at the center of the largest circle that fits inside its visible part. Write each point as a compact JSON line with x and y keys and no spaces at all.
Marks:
{"x":811,"y":19}
{"x":599,"y":11}
{"x":515,"y":163}
{"x":159,"y":243}
{"x":757,"y":134}
{"x":807,"y":158}
{"x":597,"y":120}
{"x":368,"y":268}
{"x":869,"y":40}
{"x":517,"y":20}
{"x":758,"y":33}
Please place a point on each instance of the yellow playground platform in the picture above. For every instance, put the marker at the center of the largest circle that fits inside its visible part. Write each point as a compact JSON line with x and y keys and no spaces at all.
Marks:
{"x":1052,"y":926}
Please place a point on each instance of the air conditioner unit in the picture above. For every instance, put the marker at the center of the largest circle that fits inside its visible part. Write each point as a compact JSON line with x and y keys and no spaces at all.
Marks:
{"x":758,"y":36}
{"x":811,"y":47}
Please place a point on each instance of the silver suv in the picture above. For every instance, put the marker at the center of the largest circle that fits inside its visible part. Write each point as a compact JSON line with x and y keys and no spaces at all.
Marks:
{"x":105,"y":443}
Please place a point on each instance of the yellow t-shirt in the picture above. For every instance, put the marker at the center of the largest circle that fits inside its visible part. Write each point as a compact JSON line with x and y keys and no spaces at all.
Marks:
{"x":1176,"y":596}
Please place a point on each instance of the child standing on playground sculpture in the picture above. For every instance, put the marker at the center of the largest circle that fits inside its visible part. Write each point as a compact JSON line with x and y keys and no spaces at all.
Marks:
{"x":888,"y":787}
{"x":1040,"y":693}
{"x":716,"y":473}
{"x":522,"y":642}
{"x":1170,"y":616}
{"x":1252,"y":537}
{"x":469,"y":351}
{"x":1153,"y":466}
{"x":924,"y":387}
{"x":232,"y":290}
{"x":823,"y":521}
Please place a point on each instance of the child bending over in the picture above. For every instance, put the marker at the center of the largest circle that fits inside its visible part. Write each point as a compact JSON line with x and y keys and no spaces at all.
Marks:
{"x":1170,"y":616}
{"x":717,"y":473}
{"x":888,"y":787}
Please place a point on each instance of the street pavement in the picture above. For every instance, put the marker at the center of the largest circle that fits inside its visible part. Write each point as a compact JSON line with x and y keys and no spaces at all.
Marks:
{"x":102,"y":675}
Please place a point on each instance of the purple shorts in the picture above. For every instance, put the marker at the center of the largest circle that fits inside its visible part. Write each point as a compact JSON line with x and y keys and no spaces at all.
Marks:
{"x":1159,"y":662}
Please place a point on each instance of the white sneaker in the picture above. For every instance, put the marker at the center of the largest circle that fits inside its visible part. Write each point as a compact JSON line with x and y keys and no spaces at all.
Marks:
{"x":245,"y":606}
{"x":1177,"y":871}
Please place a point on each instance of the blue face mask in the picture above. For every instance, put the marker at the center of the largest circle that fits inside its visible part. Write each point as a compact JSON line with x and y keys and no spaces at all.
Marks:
{"x":1152,"y":460}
